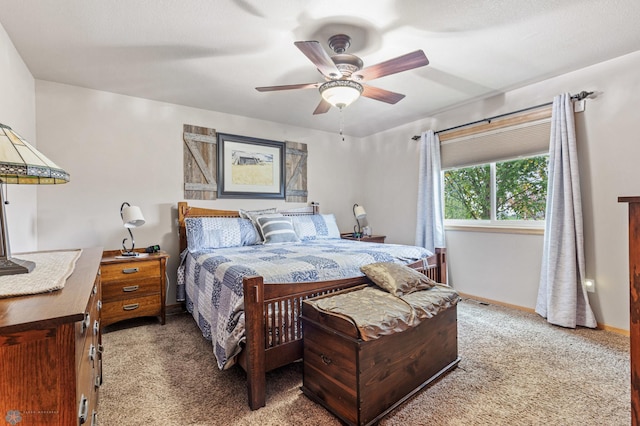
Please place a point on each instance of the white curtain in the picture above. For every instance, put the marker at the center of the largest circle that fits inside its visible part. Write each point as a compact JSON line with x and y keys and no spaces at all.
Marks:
{"x":430,"y":229}
{"x":562,"y":299}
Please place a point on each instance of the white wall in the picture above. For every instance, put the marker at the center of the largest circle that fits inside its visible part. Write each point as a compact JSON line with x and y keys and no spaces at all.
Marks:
{"x":506,"y":267}
{"x":17,"y":110}
{"x":119,"y":148}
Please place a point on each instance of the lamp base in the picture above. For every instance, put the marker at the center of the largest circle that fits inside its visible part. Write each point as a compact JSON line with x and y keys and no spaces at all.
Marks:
{"x":13,"y":266}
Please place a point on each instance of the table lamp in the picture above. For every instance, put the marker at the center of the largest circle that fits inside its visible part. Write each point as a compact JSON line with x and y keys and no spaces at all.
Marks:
{"x":22,"y":164}
{"x":358,"y":213}
{"x":131,"y":218}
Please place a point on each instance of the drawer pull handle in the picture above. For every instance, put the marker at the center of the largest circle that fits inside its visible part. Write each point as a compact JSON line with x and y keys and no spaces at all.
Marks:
{"x":94,"y":418}
{"x":130,"y":270}
{"x":130,"y":288}
{"x":83,"y":409}
{"x":86,"y":321}
{"x":131,"y":307}
{"x":97,"y":382}
{"x":92,"y":352}
{"x":325,"y":359}
{"x":95,"y":289}
{"x":99,"y":304}
{"x":96,"y":327}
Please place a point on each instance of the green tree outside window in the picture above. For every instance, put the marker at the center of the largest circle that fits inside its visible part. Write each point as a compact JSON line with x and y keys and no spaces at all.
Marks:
{"x":520,"y":191}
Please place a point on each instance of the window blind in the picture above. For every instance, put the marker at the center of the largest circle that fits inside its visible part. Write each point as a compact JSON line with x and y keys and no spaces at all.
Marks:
{"x":513,"y":137}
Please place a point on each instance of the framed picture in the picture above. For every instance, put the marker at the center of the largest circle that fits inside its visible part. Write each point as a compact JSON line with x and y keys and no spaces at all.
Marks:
{"x":250,"y":167}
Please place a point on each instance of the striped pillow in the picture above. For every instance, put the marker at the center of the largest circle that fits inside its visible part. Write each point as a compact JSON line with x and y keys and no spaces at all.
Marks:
{"x":276,"y":228}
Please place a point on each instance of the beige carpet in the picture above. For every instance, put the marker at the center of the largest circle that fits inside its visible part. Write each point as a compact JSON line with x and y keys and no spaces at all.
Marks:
{"x":516,"y":369}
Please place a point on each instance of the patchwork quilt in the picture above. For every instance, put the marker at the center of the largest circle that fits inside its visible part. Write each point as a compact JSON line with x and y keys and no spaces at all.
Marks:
{"x":211,"y":281}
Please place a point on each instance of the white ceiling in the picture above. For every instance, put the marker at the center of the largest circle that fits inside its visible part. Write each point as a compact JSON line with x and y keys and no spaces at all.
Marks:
{"x":211,"y":54}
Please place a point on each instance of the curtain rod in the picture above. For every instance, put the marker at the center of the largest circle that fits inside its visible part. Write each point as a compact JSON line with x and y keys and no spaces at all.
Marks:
{"x":580,"y":96}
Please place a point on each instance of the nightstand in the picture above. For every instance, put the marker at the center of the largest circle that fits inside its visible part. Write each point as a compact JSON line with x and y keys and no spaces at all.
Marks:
{"x":133,"y":287}
{"x":368,"y":239}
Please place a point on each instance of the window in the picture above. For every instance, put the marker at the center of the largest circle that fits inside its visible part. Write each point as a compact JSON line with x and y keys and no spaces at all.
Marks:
{"x":508,"y":192}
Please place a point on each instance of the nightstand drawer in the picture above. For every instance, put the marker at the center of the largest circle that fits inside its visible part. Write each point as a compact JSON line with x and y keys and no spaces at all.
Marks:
{"x":119,"y":310}
{"x":130,"y":271}
{"x":129,"y":289}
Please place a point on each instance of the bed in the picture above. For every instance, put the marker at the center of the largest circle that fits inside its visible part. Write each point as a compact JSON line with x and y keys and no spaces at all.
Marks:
{"x":267,"y":325}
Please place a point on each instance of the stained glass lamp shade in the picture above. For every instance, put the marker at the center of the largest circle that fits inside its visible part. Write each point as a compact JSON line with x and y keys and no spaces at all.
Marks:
{"x":21,"y":163}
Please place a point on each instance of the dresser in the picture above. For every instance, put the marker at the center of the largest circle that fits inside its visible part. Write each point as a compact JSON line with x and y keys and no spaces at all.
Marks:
{"x":51,"y":351}
{"x":133,"y":287}
{"x":634,"y":300}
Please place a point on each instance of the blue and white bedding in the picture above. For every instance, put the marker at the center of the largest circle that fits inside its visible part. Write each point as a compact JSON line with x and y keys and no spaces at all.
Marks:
{"x":212,"y":279}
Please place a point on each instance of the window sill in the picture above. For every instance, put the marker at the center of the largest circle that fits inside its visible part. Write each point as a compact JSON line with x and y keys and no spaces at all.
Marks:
{"x":496,"y":229}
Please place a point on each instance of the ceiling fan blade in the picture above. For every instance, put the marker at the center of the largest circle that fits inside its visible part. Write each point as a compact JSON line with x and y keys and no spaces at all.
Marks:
{"x":316,"y":54}
{"x":381,"y":94}
{"x":288,"y":87}
{"x":322,"y":107}
{"x":392,"y":66}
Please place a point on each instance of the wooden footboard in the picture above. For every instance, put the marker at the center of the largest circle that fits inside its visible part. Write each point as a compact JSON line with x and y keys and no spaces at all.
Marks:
{"x":273,"y":326}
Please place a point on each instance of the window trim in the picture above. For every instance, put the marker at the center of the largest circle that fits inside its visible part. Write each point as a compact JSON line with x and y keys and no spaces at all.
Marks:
{"x":508,"y":228}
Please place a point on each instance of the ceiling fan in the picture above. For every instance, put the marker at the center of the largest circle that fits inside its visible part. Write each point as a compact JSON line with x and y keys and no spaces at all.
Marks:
{"x":344,"y":75}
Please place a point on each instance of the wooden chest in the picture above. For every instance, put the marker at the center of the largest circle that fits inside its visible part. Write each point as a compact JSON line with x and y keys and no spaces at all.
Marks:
{"x":361,"y":381}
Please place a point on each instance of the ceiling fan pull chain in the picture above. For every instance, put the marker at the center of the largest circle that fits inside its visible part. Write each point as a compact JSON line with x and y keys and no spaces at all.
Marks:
{"x":341,"y":124}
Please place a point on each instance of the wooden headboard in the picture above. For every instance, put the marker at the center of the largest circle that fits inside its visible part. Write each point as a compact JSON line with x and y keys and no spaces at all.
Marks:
{"x":184,"y":211}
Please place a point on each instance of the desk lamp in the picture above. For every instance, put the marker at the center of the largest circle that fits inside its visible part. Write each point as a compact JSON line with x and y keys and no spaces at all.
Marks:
{"x":131,"y":218}
{"x":358,"y":213}
{"x":22,"y":164}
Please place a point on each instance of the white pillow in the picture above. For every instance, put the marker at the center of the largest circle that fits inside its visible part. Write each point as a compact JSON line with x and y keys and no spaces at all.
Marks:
{"x":316,"y":227}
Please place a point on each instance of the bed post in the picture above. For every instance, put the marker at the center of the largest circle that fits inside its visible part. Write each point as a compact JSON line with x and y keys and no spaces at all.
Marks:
{"x":441,"y":261}
{"x":183,"y":208}
{"x":255,"y":343}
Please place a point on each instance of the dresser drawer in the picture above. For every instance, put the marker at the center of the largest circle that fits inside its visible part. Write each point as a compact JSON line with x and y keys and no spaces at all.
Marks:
{"x":88,"y":330}
{"x":129,"y":289}
{"x":139,"y":269}
{"x":119,"y":310}
{"x":88,"y":363}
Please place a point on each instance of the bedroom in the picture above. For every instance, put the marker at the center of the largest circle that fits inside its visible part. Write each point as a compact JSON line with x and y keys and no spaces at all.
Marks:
{"x":139,"y":140}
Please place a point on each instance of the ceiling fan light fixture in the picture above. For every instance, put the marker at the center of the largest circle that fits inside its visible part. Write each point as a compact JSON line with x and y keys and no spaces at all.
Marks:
{"x":340,"y":93}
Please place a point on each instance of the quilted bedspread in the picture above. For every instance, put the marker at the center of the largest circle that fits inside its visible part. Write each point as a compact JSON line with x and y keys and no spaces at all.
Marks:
{"x":211,"y":282}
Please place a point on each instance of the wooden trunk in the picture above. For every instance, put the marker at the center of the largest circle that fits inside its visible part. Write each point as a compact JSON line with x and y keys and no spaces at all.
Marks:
{"x":361,"y":381}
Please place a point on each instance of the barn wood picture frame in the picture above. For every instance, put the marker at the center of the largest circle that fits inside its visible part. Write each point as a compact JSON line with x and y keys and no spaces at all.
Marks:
{"x":250,"y":167}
